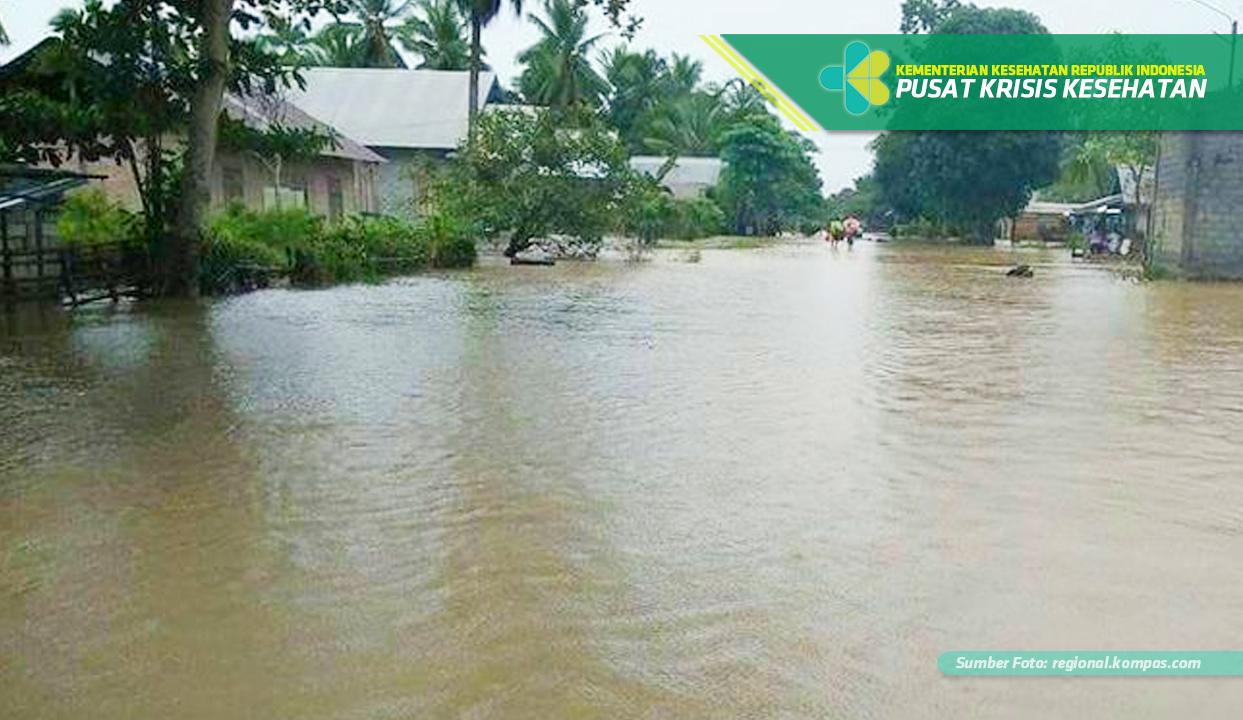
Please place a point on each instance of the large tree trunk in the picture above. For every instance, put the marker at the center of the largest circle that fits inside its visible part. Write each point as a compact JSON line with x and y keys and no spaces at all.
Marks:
{"x":476,"y":27}
{"x":180,"y":262}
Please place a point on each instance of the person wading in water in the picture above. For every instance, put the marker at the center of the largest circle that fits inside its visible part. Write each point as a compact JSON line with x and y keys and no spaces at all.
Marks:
{"x":834,"y":232}
{"x":853,"y":229}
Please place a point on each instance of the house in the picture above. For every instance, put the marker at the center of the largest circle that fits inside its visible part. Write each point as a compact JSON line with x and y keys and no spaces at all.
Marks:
{"x":1054,"y":221}
{"x":409,"y":117}
{"x":342,"y":179}
{"x":690,"y":177}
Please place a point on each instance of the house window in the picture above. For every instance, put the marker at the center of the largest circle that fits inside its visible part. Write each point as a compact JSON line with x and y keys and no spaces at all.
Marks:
{"x":234,"y":185}
{"x":291,"y":194}
{"x":336,"y":198}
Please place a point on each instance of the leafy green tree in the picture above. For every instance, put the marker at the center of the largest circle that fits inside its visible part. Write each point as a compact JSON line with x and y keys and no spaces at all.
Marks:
{"x":438,"y":36}
{"x":289,"y":41}
{"x":530,"y":177}
{"x":743,"y":103}
{"x":769,"y":183}
{"x":219,"y":59}
{"x":558,"y":73}
{"x":169,"y":63}
{"x":67,"y":103}
{"x":967,"y":179}
{"x":951,"y":17}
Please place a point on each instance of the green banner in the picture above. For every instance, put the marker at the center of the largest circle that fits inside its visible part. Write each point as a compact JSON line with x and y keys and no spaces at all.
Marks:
{"x":1000,"y":82}
{"x":1092,"y":663}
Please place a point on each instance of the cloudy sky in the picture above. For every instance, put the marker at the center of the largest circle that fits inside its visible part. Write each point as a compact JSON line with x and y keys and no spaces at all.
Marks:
{"x":675,"y":26}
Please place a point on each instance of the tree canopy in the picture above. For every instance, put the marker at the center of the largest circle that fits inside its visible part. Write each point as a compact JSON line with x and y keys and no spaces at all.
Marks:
{"x":966,"y":179}
{"x":558,"y":72}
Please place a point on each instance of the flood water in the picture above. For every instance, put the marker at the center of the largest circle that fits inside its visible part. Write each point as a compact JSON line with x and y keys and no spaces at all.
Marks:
{"x":771,"y":484}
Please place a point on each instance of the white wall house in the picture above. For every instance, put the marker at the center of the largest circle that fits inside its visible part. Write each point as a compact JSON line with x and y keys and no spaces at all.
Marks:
{"x":407,"y":116}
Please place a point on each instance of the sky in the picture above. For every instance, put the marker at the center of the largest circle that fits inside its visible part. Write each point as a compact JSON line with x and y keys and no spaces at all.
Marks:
{"x":675,"y":26}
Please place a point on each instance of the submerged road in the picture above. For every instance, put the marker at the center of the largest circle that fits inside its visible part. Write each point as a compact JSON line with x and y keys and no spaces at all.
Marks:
{"x":770,"y":484}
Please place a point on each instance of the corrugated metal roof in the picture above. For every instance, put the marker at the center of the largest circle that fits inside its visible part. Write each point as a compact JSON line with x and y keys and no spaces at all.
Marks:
{"x":1042,"y":207}
{"x":20,"y":184}
{"x":263,"y":111}
{"x":686,"y":171}
{"x":424,"y":109}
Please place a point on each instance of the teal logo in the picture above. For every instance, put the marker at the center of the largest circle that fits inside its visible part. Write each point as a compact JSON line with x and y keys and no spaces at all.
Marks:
{"x":858,"y":78}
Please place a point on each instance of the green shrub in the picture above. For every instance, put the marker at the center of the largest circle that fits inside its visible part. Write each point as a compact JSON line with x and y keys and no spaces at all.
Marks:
{"x":448,"y":242}
{"x":364,"y":248}
{"x":1076,"y":241}
{"x":89,"y":218}
{"x":282,"y":229}
{"x":650,"y":214}
{"x":238,"y":240}
{"x":697,"y":218}
{"x":298,"y":243}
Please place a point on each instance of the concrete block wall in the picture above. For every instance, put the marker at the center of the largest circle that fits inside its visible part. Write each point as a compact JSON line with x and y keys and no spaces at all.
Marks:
{"x":1198,"y":209}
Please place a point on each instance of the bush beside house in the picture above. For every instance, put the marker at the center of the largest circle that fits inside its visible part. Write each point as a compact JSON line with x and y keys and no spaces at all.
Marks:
{"x":300,"y":245}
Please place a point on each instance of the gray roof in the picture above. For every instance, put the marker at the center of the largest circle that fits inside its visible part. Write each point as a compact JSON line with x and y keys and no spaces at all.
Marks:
{"x":686,"y":171}
{"x":22,"y":184}
{"x":393,"y":108}
{"x":1042,"y":207}
{"x":263,"y":111}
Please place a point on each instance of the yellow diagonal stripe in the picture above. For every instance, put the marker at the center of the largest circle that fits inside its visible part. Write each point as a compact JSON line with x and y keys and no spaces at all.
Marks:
{"x":771,"y":88}
{"x":782,"y":99}
{"x":755,"y":81}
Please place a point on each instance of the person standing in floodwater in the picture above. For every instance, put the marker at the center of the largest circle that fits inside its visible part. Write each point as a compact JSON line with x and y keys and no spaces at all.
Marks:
{"x":833,"y":234}
{"x":853,"y":229}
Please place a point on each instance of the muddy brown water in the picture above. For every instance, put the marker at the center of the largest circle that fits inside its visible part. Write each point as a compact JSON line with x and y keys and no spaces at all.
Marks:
{"x":771,"y":484}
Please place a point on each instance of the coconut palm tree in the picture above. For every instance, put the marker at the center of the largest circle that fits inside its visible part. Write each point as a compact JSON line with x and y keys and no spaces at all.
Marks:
{"x":336,"y":45}
{"x":480,"y":13}
{"x":692,"y":125}
{"x":437,"y":36}
{"x":376,"y":27}
{"x":558,"y":72}
{"x":635,"y":91}
{"x":684,"y":74}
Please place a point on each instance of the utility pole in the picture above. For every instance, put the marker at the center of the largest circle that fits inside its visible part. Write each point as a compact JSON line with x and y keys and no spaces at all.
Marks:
{"x":1234,"y":36}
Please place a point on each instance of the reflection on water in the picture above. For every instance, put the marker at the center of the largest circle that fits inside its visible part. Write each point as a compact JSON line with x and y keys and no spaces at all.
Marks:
{"x":771,"y":484}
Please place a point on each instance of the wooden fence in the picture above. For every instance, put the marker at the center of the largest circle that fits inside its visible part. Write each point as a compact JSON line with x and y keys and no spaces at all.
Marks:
{"x":74,"y":275}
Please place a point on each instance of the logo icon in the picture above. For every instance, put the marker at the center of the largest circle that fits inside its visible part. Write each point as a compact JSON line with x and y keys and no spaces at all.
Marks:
{"x":858,"y":78}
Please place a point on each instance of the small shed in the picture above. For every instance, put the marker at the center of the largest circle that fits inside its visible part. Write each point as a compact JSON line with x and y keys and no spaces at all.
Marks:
{"x":689,"y":177}
{"x":30,"y":200}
